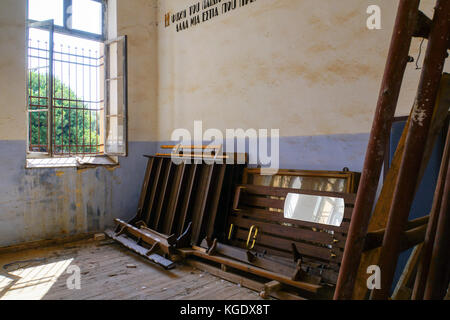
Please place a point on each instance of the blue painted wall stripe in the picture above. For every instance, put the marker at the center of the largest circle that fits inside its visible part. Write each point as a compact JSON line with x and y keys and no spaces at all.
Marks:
{"x":37,"y":204}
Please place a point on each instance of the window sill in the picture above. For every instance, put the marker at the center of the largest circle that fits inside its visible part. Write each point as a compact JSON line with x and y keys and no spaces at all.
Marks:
{"x":71,"y":162}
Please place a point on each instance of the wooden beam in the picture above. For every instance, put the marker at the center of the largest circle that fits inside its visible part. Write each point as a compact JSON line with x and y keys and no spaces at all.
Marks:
{"x":132,"y":245}
{"x":439,"y":273}
{"x":269,"y":288}
{"x":253,"y":270}
{"x":213,"y":202}
{"x":198,"y":211}
{"x":241,"y":255}
{"x":187,"y":198}
{"x":424,"y":265}
{"x":403,"y":290}
{"x":243,"y":281}
{"x":169,"y":216}
{"x":148,"y":236}
{"x":415,"y":232}
{"x":154,"y":188}
{"x":144,"y":197}
{"x":163,"y":191}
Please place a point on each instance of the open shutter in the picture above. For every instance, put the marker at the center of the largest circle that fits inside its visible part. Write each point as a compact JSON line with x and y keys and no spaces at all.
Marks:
{"x":116,"y":98}
{"x":40,"y":91}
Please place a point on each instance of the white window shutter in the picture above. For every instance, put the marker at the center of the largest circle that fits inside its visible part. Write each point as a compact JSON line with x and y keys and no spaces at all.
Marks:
{"x":116,"y":97}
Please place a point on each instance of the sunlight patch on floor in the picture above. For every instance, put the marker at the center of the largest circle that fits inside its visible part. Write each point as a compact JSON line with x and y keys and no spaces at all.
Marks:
{"x":31,"y":283}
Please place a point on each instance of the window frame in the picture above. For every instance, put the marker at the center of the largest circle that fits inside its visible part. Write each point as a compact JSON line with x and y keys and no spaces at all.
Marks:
{"x":46,"y":25}
{"x":103,"y":38}
{"x":65,"y":29}
{"x":107,"y":114}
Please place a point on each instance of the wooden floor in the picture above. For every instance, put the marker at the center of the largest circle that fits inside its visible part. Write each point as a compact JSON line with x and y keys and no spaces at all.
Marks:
{"x":108,"y":272}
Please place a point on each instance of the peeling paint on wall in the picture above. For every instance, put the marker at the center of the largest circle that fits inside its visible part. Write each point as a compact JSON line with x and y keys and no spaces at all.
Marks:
{"x":37,"y":204}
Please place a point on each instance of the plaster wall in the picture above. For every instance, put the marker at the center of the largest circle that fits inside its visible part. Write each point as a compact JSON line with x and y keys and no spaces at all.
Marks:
{"x":308,"y":68}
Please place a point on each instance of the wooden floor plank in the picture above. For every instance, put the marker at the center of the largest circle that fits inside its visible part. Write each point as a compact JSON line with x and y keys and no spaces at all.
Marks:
{"x":108,"y":271}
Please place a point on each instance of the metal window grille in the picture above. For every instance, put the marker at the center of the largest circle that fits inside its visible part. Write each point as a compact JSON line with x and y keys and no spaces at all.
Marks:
{"x":68,"y":113}
{"x":76,"y":101}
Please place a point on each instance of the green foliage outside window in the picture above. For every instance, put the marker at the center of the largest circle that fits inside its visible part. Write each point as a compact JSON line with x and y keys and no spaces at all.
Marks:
{"x":71,"y":127}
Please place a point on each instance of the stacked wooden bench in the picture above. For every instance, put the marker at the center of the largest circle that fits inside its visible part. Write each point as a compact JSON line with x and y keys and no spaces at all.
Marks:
{"x":197,"y":212}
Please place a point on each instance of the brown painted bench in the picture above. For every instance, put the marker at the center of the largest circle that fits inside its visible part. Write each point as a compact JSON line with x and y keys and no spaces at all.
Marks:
{"x":257,"y":224}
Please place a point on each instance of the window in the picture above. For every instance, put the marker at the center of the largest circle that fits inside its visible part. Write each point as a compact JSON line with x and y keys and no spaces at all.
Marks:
{"x":76,"y":81}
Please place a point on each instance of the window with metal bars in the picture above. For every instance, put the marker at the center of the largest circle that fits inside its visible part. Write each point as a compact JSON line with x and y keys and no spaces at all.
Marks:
{"x":76,"y":83}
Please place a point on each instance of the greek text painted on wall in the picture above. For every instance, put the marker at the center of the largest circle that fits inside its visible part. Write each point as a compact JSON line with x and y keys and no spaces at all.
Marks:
{"x":202,"y":11}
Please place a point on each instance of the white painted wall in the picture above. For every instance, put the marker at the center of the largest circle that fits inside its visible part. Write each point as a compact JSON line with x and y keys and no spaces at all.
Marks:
{"x":138,"y":19}
{"x":12,"y":70}
{"x":306,"y":67}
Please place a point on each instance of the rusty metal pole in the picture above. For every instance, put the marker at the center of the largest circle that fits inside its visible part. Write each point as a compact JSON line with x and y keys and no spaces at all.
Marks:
{"x":427,"y":249}
{"x":437,"y":282}
{"x":415,"y":146}
{"x":387,"y":102}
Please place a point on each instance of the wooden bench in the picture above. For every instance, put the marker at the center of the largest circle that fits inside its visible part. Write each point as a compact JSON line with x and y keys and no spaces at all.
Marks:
{"x":257,"y":224}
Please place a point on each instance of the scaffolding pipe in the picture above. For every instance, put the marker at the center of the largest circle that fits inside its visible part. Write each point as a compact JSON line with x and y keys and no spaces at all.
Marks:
{"x":438,"y":276}
{"x":387,"y":102}
{"x":415,"y":145}
{"x":427,"y":249}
